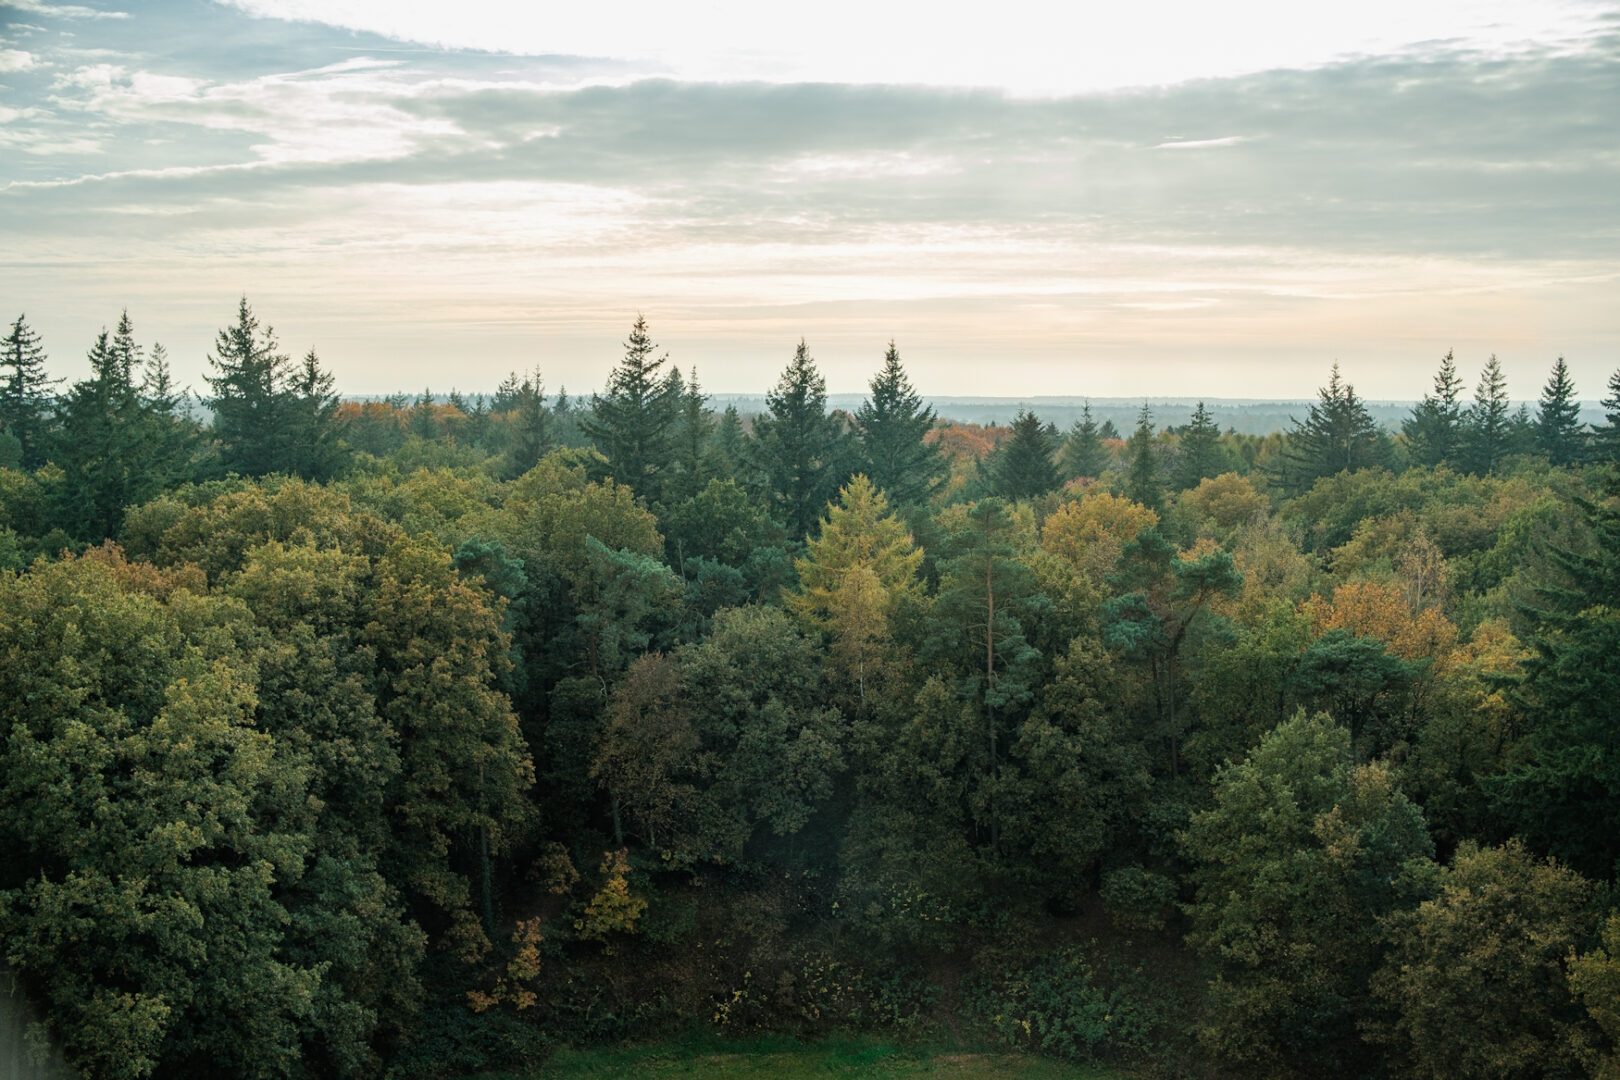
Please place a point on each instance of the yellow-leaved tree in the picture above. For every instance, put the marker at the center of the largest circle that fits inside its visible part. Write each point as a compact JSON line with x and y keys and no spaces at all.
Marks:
{"x":857,"y":573}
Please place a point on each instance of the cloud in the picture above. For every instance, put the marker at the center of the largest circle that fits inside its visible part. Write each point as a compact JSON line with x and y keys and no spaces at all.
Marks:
{"x":1202,"y":144}
{"x":15,"y":60}
{"x":61,"y":11}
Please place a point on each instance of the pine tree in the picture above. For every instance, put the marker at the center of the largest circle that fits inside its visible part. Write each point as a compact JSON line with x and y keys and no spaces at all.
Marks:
{"x":1023,"y":466}
{"x":1082,"y":453}
{"x":1337,"y":436}
{"x":1558,"y":426}
{"x":802,"y":451}
{"x":25,"y":393}
{"x":250,"y":397}
{"x":530,"y":423}
{"x":893,"y":423}
{"x":632,"y":423}
{"x":1434,"y":429}
{"x":1487,"y":426}
{"x":1143,"y":481}
{"x":730,"y":443}
{"x":1200,"y":450}
{"x":176,"y":433}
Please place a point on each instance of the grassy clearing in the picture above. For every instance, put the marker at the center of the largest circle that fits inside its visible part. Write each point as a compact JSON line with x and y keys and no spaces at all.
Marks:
{"x":784,"y":1059}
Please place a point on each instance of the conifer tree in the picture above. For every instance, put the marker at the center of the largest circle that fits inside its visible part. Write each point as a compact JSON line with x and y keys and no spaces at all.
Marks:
{"x":1606,"y":439}
{"x":1082,"y":453}
{"x":693,"y":458}
{"x":892,"y":424}
{"x":1487,"y":428}
{"x":106,"y":442}
{"x":633,"y":422}
{"x":25,"y":392}
{"x":1200,"y":456}
{"x":530,"y":423}
{"x":1434,"y":429}
{"x":316,"y":452}
{"x":802,"y":451}
{"x":250,"y":399}
{"x":1143,"y":481}
{"x":1338,"y":435}
{"x":1558,"y":426}
{"x":1022,"y":467}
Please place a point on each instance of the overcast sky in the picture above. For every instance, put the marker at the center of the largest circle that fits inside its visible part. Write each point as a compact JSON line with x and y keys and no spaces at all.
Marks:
{"x":1182,"y":199}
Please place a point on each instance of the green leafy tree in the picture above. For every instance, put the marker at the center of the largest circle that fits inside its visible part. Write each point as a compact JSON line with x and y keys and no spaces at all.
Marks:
{"x":892,"y":424}
{"x":1434,"y":429}
{"x":801,"y":450}
{"x":1558,"y":425}
{"x":249,"y":399}
{"x":25,"y":392}
{"x":1477,"y":977}
{"x":635,"y":419}
{"x":1301,"y":855}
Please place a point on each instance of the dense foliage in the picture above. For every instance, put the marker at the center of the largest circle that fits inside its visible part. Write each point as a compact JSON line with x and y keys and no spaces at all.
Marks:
{"x":403,"y":737}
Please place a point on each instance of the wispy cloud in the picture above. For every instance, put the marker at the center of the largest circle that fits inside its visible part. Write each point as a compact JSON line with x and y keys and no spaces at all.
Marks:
{"x":61,"y":11}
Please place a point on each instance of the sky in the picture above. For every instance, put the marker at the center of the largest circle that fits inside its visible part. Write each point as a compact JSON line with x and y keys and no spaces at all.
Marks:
{"x":1030,"y":198}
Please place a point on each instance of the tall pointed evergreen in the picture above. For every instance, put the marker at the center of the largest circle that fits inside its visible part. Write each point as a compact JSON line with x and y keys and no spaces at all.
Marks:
{"x":529,"y":423}
{"x":1606,"y":439}
{"x":1558,"y":425}
{"x":892,"y":423}
{"x":106,"y":445}
{"x":1144,"y":481}
{"x":1434,"y":430}
{"x":1024,"y":465}
{"x":633,"y":421}
{"x":1337,"y":435}
{"x":26,"y":396}
{"x":1083,"y":453}
{"x":802,"y":451}
{"x":1200,"y":448}
{"x":694,"y":459}
{"x":317,"y":453}
{"x":1488,"y":425}
{"x":249,"y":396}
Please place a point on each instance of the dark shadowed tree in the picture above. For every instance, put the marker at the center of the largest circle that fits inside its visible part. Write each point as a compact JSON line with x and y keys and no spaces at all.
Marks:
{"x":1023,"y":466}
{"x":25,"y":392}
{"x":1200,"y":447}
{"x":1338,"y":435}
{"x":1487,"y":427}
{"x":1558,"y":425}
{"x":1435,"y":427}
{"x":1144,"y":480}
{"x":1083,"y":453}
{"x":633,"y":422}
{"x":249,"y":399}
{"x":802,"y":451}
{"x":892,"y":423}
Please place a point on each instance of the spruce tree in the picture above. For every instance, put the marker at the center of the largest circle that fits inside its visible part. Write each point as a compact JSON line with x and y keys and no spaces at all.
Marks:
{"x":530,"y":426}
{"x":1083,"y":453}
{"x":1200,"y":447}
{"x":250,"y":397}
{"x":1435,"y":426}
{"x":1338,"y":435}
{"x":802,"y":451}
{"x":106,"y":445}
{"x":693,"y":457}
{"x":892,"y":424}
{"x":25,"y":392}
{"x":1606,"y":439}
{"x":1558,"y":426}
{"x":316,"y":452}
{"x":1487,"y":427}
{"x":1143,"y":480}
{"x":1023,"y":466}
{"x":633,"y":422}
